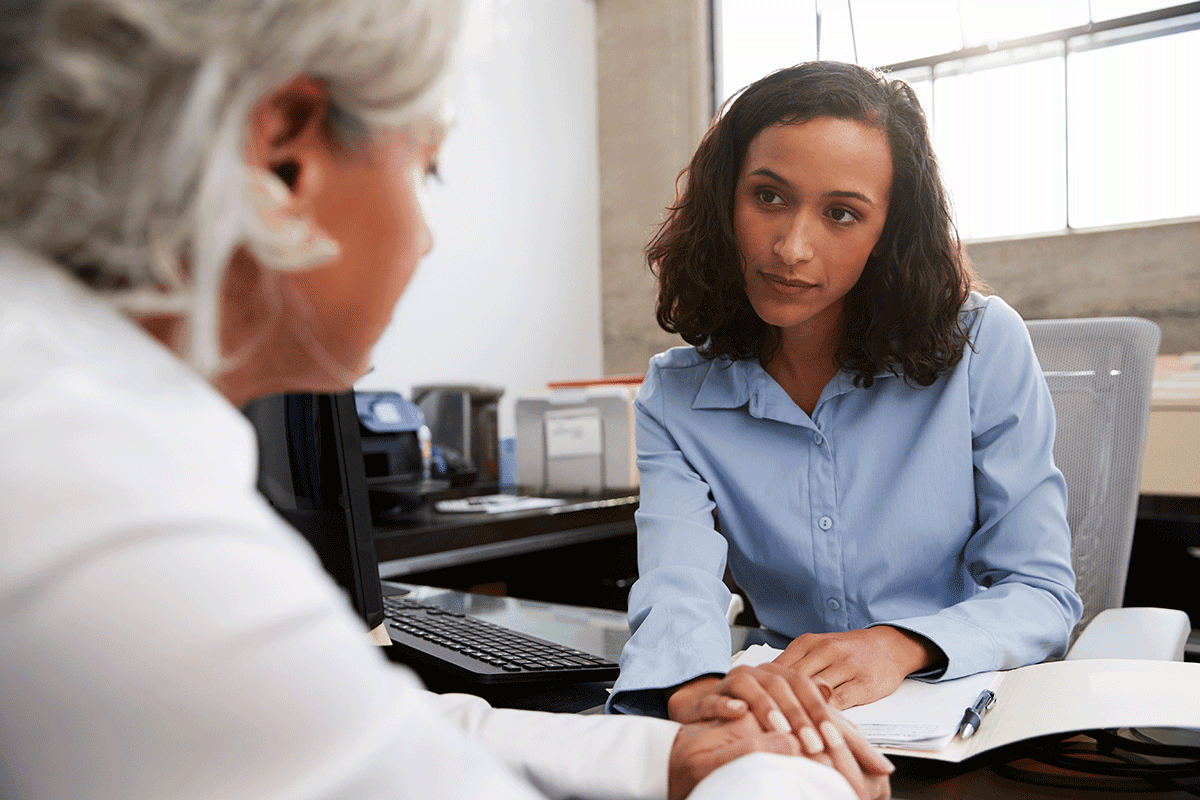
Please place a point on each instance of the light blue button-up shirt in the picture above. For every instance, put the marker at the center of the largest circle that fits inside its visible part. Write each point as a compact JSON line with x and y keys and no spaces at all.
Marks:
{"x":938,"y":510}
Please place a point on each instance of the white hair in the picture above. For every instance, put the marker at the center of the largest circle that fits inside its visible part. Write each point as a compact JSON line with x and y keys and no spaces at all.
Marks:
{"x":122,"y":145}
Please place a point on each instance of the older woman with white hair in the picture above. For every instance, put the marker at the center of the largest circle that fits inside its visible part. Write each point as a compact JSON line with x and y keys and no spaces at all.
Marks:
{"x":201,"y":203}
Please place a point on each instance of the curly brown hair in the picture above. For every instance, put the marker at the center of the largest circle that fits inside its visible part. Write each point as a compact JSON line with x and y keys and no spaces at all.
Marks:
{"x":903,"y":314}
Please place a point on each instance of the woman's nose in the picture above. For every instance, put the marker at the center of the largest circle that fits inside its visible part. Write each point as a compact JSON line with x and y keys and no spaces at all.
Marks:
{"x":795,"y":245}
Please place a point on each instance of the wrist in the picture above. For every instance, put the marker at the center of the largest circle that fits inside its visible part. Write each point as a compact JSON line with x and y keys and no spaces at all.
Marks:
{"x":914,"y":652}
{"x":681,"y":706}
{"x":694,"y":683}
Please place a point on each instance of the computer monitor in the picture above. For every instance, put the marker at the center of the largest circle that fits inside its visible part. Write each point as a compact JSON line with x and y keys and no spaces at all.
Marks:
{"x":311,"y":471}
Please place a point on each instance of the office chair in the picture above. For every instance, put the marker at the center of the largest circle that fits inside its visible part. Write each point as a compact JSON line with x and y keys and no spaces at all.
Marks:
{"x":1100,"y":373}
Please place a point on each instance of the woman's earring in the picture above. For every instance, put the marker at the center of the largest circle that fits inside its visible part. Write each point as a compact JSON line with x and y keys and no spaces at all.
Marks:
{"x":277,"y":239}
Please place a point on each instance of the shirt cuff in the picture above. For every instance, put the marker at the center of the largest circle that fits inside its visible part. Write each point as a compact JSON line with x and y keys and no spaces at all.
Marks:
{"x":967,"y":648}
{"x":768,"y":776}
{"x":638,"y":702}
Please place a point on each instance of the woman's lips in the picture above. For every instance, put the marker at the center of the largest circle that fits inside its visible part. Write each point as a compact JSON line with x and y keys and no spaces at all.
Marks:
{"x":787,"y":285}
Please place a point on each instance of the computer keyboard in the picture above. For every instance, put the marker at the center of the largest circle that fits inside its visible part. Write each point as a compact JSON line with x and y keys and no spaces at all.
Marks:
{"x":478,"y":651}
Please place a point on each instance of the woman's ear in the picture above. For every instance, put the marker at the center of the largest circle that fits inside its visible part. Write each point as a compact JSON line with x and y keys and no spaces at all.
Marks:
{"x":289,"y":154}
{"x":288,"y":136}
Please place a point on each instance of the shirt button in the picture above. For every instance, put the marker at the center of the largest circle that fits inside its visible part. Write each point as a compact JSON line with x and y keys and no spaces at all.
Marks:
{"x":834,"y":605}
{"x":825,"y":523}
{"x":818,"y":438}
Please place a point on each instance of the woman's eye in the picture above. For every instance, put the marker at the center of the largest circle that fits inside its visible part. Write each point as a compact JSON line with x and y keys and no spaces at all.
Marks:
{"x":768,"y":196}
{"x":843,"y":216}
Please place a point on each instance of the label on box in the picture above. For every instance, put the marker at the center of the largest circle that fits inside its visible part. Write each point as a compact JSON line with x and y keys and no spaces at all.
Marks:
{"x":572,"y":432}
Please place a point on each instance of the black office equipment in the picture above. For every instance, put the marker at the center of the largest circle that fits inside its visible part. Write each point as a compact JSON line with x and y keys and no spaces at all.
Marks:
{"x":397,"y":454}
{"x":311,"y":471}
{"x":478,"y":651}
{"x":390,"y":427}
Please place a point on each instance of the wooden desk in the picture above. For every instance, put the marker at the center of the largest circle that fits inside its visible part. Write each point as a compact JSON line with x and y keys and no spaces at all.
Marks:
{"x":583,"y":552}
{"x":917,"y":780}
{"x":604,"y":632}
{"x":1171,"y":465}
{"x":425,"y":539}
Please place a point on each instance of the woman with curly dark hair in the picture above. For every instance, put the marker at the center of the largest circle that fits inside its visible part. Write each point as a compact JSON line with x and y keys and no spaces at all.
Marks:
{"x":863,"y":438}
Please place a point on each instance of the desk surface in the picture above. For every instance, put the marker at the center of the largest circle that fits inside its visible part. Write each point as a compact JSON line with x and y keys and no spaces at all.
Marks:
{"x":425,"y":539}
{"x":605,"y":632}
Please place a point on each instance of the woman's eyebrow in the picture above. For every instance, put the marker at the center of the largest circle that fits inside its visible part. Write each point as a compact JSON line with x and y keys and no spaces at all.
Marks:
{"x":853,"y":195}
{"x":772,"y":174}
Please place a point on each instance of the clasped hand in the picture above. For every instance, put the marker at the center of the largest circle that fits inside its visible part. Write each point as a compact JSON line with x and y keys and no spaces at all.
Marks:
{"x":797,"y":694}
{"x":801,"y":723}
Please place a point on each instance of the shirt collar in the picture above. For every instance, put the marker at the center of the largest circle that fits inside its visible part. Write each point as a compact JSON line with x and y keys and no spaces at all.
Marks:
{"x":727,"y":384}
{"x":733,"y":384}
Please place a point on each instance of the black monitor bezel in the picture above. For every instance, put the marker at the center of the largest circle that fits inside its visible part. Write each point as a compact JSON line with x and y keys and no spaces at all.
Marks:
{"x":336,"y":519}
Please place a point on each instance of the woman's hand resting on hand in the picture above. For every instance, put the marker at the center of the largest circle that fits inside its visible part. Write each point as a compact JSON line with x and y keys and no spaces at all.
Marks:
{"x":776,"y":701}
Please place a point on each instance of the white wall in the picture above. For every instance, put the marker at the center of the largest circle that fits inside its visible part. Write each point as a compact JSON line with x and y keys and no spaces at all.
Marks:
{"x":510,"y":295}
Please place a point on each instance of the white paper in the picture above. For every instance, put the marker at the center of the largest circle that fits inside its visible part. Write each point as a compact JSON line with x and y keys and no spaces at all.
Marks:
{"x":923,"y":716}
{"x":494,"y":504}
{"x":756,"y":654}
{"x":573,"y":432}
{"x":523,"y":504}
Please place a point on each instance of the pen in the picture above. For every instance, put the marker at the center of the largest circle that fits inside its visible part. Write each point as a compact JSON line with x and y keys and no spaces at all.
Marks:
{"x":972,"y":716}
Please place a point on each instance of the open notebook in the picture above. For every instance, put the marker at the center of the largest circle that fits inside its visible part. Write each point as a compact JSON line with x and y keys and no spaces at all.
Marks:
{"x":922,"y":719}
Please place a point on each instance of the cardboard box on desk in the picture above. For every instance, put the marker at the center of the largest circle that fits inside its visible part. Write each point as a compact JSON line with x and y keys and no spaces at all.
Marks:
{"x":1171,"y":465}
{"x":577,"y":439}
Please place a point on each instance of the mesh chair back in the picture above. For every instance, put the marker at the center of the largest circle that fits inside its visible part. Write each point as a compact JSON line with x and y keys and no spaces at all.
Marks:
{"x":1100,"y":373}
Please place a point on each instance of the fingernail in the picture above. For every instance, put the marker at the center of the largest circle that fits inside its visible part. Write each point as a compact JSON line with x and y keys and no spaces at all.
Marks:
{"x":736,"y":705}
{"x":779,"y":721}
{"x":832,"y":735}
{"x":811,"y":741}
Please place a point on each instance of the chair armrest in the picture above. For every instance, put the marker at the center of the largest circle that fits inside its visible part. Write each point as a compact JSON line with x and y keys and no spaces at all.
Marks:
{"x":1153,"y":634}
{"x":736,"y":606}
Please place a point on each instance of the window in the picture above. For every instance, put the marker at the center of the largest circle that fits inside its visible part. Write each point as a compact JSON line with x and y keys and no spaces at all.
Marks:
{"x":1070,"y":114}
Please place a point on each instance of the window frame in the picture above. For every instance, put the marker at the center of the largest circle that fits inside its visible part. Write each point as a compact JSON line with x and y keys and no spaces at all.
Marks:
{"x":1057,"y":44}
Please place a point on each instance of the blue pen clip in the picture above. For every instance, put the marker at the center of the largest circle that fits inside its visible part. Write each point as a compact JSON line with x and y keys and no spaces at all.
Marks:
{"x":974,"y":715}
